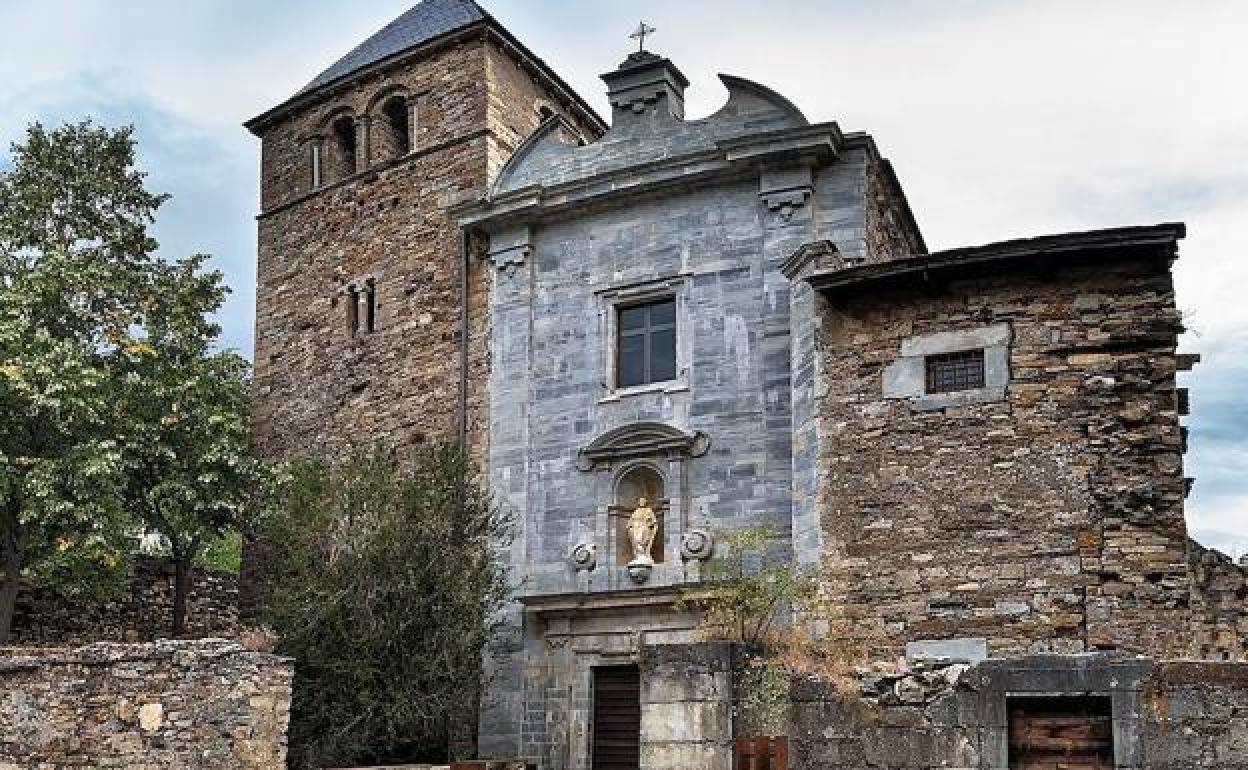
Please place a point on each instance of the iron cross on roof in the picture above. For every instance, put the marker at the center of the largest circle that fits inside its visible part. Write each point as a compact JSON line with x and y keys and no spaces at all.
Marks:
{"x":643,"y":29}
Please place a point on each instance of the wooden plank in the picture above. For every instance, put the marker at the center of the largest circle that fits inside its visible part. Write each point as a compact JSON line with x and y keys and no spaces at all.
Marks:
{"x":617,"y":718}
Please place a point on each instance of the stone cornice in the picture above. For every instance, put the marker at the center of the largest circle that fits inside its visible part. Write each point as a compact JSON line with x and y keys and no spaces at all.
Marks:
{"x":807,"y":145}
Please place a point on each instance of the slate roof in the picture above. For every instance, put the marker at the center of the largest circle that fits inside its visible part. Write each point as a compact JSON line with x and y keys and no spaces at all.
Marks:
{"x":1027,"y":253}
{"x":422,"y":23}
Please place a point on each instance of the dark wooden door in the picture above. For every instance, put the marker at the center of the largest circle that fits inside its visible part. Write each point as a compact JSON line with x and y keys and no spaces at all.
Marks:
{"x":617,"y":718}
{"x":1061,"y":734}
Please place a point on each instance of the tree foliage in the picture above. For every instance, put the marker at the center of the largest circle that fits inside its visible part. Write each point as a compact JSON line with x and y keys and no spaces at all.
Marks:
{"x":111,"y":394}
{"x":382,"y":588}
{"x":189,"y":472}
{"x":73,"y":250}
{"x":780,"y":615}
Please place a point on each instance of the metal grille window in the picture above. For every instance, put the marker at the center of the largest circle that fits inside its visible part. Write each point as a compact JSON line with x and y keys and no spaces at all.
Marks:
{"x":646,"y":343}
{"x":949,"y":372}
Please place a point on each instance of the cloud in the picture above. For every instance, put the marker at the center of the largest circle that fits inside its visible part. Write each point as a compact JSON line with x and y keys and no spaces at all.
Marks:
{"x":1003,"y":119}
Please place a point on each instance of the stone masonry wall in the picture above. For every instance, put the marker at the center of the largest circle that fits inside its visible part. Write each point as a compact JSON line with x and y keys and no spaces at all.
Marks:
{"x":686,"y":706}
{"x":890,"y":230}
{"x":143,"y":611}
{"x":1219,"y":590}
{"x":317,"y":385}
{"x":1166,"y":716}
{"x":208,"y":705}
{"x":1047,"y":521}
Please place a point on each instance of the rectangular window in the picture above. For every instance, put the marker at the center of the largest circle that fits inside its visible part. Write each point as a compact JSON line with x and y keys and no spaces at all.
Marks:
{"x":646,"y":343}
{"x":949,"y":372}
{"x":370,"y":308}
{"x":353,"y":311}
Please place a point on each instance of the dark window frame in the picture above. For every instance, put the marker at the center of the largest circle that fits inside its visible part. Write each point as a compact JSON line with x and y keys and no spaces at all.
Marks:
{"x":646,"y":332}
{"x":954,"y":371}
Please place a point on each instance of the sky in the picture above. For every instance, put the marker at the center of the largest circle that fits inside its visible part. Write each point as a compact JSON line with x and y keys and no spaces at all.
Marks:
{"x":1003,"y":119}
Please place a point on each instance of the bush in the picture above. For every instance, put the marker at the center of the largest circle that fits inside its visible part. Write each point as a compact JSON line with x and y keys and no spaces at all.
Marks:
{"x":383,"y":590}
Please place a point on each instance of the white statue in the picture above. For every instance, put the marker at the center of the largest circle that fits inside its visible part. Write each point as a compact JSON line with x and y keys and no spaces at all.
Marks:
{"x":643,"y":525}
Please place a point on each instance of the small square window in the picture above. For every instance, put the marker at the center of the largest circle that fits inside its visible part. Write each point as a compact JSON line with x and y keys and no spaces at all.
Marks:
{"x":950,"y":372}
{"x":646,"y":343}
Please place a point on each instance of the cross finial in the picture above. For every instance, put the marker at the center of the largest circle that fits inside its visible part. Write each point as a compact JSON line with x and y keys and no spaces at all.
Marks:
{"x":643,"y":29}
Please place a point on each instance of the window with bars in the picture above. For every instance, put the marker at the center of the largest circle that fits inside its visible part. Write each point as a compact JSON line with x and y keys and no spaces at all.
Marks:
{"x":950,"y":372}
{"x":646,"y":343}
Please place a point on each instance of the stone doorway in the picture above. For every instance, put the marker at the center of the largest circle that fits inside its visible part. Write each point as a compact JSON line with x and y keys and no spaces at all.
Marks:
{"x":1061,"y":733}
{"x":617,"y":718}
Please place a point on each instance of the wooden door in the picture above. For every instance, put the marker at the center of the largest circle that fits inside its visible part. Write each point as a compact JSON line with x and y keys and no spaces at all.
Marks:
{"x":617,"y":718}
{"x":1061,"y":734}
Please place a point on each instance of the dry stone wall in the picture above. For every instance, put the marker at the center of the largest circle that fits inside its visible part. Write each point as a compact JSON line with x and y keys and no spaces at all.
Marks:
{"x":1049,"y":520}
{"x":207,"y":705}
{"x":142,"y":612}
{"x":1219,"y":591}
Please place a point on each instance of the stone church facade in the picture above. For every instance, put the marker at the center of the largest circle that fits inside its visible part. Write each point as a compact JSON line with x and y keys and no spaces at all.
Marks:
{"x":737,"y":320}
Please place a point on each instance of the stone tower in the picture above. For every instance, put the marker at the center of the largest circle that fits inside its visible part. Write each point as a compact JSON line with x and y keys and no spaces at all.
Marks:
{"x":364,"y":296}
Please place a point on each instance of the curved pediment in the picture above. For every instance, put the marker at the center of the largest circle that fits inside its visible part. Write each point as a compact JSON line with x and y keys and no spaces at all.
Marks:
{"x":555,"y":155}
{"x":757,"y":103}
{"x":554,"y":136}
{"x":642,"y":439}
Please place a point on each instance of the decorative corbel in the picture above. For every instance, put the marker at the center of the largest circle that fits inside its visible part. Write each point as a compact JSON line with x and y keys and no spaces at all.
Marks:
{"x":510,"y":248}
{"x":783,"y":191}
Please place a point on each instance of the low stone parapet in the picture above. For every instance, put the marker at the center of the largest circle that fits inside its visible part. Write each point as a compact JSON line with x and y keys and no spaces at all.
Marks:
{"x":205,"y":704}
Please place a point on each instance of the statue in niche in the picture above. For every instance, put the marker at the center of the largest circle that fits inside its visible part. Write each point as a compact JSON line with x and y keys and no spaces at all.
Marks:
{"x":643,"y":525}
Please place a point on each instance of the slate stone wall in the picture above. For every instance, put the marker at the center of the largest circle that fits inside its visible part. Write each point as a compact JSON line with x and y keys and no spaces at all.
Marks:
{"x":142,"y":612}
{"x":1047,"y":521}
{"x":1166,"y":715}
{"x":205,"y":704}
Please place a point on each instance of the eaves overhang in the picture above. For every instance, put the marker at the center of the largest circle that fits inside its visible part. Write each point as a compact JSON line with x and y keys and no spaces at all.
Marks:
{"x":730,"y":158}
{"x":1044,"y":254}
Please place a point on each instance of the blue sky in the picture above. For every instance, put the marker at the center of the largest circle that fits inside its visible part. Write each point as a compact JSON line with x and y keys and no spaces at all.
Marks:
{"x":1003,"y":119}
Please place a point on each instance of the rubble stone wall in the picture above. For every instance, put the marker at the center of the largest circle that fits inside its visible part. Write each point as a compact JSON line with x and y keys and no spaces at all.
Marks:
{"x":207,"y":704}
{"x":318,"y":385}
{"x":1048,"y":519}
{"x":142,"y":612}
{"x":1166,"y":716}
{"x":891,"y":232}
{"x":1219,"y":590}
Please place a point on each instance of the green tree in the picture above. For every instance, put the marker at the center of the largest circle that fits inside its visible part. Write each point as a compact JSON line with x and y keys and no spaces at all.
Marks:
{"x":74,"y":249}
{"x":383,"y":589}
{"x":189,"y":472}
{"x":781,"y":617}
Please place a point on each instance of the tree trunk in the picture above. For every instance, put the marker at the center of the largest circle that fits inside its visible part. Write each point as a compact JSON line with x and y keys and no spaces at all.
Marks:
{"x":10,"y":583}
{"x":181,"y":587}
